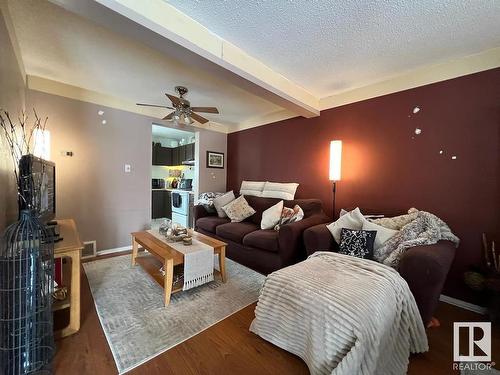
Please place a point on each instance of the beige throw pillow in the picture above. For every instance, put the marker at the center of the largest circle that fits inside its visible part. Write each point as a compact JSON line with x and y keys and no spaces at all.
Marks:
{"x":271,"y":216}
{"x":280,"y":190}
{"x":383,"y":234}
{"x":221,"y":201}
{"x":238,"y":210}
{"x":397,"y":222}
{"x":254,"y":188}
{"x":351,"y":220}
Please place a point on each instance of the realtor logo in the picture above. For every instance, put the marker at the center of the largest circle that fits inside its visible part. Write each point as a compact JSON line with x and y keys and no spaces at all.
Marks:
{"x":478,"y":347}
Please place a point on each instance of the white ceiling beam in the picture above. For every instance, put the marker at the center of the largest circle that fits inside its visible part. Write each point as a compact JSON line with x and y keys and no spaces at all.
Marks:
{"x":163,"y":27}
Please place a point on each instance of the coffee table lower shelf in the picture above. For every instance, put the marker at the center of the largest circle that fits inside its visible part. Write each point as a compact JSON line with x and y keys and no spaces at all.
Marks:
{"x":152,"y":266}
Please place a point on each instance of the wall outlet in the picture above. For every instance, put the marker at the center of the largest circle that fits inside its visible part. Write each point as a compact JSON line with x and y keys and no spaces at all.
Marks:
{"x":127,"y":168}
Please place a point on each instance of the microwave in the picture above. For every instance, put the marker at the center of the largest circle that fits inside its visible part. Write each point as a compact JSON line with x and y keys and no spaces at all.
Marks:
{"x":158,"y":183}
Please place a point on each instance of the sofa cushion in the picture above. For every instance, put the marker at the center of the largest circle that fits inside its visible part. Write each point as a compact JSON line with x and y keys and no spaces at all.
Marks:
{"x":265,"y":239}
{"x":209,"y":223}
{"x":252,"y":188}
{"x":280,"y":190}
{"x":235,"y":231}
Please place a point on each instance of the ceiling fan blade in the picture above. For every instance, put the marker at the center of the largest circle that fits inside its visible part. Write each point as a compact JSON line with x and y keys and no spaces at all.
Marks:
{"x":174,"y":99}
{"x":198,"y":118}
{"x":205,"y":109}
{"x":169,"y":116}
{"x":153,"y":105}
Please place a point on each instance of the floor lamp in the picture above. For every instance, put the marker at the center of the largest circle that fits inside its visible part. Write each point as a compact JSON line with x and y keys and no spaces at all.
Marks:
{"x":335,"y":167}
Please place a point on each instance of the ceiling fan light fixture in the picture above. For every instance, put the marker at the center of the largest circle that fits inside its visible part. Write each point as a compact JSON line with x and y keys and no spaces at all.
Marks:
{"x":182,"y":110}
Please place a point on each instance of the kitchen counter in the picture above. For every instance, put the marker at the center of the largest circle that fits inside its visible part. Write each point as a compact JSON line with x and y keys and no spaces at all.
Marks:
{"x":175,"y":190}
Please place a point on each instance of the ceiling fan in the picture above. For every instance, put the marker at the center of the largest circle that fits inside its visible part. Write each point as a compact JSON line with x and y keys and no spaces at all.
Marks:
{"x":182,"y":110}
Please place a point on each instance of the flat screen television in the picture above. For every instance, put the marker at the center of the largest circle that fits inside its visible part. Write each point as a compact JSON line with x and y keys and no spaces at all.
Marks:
{"x":37,"y":181}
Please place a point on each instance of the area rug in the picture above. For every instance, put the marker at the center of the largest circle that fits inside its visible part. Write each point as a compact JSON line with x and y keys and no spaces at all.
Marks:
{"x":137,"y":325}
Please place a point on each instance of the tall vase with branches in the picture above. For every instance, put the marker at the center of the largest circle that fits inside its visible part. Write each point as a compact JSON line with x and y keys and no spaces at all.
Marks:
{"x":26,"y":264}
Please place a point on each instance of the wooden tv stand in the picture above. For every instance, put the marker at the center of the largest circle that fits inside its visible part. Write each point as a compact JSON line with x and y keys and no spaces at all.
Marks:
{"x":69,"y":247}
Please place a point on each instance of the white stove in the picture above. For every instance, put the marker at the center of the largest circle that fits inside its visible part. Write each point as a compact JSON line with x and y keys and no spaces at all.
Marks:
{"x":180,"y":207}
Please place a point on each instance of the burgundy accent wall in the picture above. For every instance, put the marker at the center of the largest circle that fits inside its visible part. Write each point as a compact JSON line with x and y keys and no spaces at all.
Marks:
{"x":387,"y":167}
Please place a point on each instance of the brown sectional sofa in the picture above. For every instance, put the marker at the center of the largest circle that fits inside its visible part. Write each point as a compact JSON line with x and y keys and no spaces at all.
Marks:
{"x":423,"y":267}
{"x":262,"y":250}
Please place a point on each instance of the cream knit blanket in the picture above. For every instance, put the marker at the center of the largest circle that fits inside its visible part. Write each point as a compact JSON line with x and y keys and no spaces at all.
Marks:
{"x":341,"y":315}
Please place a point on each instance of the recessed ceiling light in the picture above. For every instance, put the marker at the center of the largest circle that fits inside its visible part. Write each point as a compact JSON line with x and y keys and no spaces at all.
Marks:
{"x":441,"y":152}
{"x":100,"y":112}
{"x":104,"y":122}
{"x":453,"y":157}
{"x":416,"y":110}
{"x":418,"y":131}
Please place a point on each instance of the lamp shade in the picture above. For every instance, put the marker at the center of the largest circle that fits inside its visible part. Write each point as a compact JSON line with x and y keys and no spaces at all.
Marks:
{"x":335,"y":160}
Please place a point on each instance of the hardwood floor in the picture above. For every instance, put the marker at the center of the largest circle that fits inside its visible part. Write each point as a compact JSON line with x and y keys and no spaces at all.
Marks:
{"x":229,"y":348}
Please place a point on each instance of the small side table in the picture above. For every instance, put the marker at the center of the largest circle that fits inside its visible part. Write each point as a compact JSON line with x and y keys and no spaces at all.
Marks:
{"x":69,"y":247}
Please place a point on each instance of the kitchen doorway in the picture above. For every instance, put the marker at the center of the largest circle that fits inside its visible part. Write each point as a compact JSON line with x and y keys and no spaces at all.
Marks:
{"x":174,"y":178}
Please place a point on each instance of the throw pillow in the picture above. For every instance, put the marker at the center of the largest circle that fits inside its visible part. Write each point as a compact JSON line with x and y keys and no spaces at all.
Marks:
{"x":271,"y":216}
{"x":238,"y":209}
{"x":223,"y":200}
{"x":207,"y":200}
{"x":383,"y":233}
{"x":280,"y":190}
{"x":290,"y":215}
{"x":351,"y":220}
{"x":357,"y":243}
{"x":397,"y":222}
{"x":252,"y":188}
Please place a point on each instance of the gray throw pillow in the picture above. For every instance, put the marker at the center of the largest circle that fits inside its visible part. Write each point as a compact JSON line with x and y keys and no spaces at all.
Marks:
{"x":221,"y":201}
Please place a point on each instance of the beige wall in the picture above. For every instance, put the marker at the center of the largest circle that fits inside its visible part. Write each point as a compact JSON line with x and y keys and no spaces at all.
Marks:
{"x":12,"y":99}
{"x":92,"y":186}
{"x":210,"y":179}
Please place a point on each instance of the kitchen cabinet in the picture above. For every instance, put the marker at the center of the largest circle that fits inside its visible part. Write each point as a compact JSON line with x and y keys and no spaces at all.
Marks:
{"x":153,"y":153}
{"x":182,"y":153}
{"x":172,"y":156}
{"x":161,"y":205}
{"x":175,"y":156}
{"x":189,"y":151}
{"x":162,"y":155}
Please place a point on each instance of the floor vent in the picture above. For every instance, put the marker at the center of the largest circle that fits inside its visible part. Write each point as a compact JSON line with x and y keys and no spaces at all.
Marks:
{"x":89,"y":249}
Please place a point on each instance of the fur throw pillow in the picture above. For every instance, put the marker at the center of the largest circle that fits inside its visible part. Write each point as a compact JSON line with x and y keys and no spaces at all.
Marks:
{"x":290,"y":215}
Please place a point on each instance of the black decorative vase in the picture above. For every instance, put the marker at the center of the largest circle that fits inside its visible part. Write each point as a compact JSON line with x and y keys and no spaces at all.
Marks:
{"x":26,"y":285}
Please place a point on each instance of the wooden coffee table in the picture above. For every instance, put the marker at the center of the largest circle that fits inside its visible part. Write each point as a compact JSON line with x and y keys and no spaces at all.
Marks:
{"x":160,"y":253}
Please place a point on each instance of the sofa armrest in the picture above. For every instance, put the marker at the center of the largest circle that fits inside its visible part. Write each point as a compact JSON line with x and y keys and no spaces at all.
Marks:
{"x":291,"y":241}
{"x":319,"y":238}
{"x":425,"y":269}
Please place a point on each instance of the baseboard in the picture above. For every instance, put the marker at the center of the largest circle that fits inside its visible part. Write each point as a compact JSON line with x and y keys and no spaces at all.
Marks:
{"x":115,"y":250}
{"x":464,"y":305}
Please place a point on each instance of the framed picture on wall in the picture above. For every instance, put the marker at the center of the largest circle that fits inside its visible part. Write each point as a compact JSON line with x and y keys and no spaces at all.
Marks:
{"x":215,"y":159}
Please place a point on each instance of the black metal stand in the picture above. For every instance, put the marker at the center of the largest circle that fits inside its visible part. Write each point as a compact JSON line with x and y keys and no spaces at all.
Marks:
{"x":334,"y":190}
